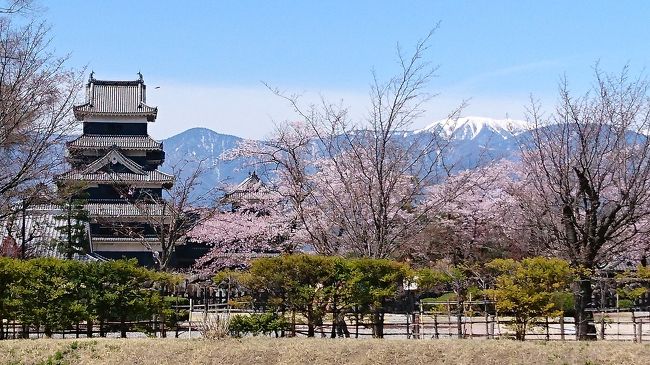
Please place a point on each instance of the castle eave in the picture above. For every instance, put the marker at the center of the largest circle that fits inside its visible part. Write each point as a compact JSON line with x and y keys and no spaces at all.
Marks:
{"x":122,"y":142}
{"x":156,"y":177}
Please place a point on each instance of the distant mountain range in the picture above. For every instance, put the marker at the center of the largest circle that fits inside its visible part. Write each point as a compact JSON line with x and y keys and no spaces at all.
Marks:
{"x":474,"y":139}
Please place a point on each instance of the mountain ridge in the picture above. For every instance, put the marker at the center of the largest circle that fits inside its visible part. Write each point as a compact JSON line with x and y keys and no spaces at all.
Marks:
{"x":473,"y":138}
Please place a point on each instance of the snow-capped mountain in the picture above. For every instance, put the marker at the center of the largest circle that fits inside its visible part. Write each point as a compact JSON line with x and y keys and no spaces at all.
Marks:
{"x":472,"y":127}
{"x":475,"y":140}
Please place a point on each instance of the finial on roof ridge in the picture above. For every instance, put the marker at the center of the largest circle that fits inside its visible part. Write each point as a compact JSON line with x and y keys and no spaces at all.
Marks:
{"x":141,"y":79}
{"x":91,"y":78}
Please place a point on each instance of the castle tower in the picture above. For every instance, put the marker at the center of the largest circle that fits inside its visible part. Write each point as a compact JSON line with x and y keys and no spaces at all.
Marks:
{"x":116,"y":163}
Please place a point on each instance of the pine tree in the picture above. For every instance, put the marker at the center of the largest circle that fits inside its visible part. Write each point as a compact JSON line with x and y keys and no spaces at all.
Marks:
{"x":73,"y":238}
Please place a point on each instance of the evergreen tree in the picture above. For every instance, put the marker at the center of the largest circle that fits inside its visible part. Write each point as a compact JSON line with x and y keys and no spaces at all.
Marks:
{"x":74,"y":217}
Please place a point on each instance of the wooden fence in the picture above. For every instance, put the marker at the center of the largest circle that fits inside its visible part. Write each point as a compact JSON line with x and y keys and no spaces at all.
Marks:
{"x":426,"y":322}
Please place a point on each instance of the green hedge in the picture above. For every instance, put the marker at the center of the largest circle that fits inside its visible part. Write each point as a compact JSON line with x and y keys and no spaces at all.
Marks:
{"x":55,"y":294}
{"x":255,"y":324}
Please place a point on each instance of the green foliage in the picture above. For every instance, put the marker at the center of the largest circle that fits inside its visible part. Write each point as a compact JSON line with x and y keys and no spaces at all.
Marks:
{"x":72,"y":198}
{"x":255,"y":324}
{"x":12,"y":275}
{"x":625,"y":303}
{"x":52,"y":294}
{"x":632,"y":285}
{"x":56,"y":294}
{"x":430,"y":279}
{"x":307,"y":284}
{"x":373,"y":281}
{"x":527,"y":289}
{"x":293,"y":283}
{"x":565,"y":302}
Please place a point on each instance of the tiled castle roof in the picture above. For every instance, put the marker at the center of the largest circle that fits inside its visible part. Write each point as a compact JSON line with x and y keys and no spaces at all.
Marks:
{"x":251,"y":189}
{"x":119,"y":177}
{"x":115,"y":98}
{"x":124,"y":210}
{"x":89,"y":141}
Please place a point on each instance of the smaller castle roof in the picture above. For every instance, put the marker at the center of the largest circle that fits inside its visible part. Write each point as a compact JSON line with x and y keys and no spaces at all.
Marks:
{"x":251,"y":188}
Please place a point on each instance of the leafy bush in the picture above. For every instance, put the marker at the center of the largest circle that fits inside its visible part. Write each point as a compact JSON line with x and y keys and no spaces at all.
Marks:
{"x":527,"y":289}
{"x":255,"y":324}
{"x":564,"y":301}
{"x":625,"y":304}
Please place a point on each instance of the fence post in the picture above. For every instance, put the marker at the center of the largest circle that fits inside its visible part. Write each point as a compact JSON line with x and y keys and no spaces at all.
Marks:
{"x":492,"y":321}
{"x":562,"y":326}
{"x":356,"y":324}
{"x":634,"y":326}
{"x":548,"y":335}
{"x":416,"y":326}
{"x":487,"y":324}
{"x":189,"y":319}
{"x":435,"y":326}
{"x":639,"y":329}
{"x":408,"y":325}
{"x":602,"y":325}
{"x":421,"y":321}
{"x":471,"y":325}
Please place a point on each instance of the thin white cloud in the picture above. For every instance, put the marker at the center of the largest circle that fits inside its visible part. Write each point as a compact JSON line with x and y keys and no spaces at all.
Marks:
{"x":251,"y":112}
{"x":493,"y":77}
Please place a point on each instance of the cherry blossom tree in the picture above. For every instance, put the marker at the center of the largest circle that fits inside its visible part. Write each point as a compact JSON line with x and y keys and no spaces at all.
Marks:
{"x":238,"y":235}
{"x":356,"y":187}
{"x":480,"y":223}
{"x":587,"y":177}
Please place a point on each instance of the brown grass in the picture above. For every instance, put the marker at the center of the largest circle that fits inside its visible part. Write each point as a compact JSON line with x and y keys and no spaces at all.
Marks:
{"x":260,"y":351}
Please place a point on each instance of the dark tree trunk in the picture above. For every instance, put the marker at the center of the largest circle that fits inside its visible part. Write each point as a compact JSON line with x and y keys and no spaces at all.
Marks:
{"x":342,"y":327}
{"x":335,"y":318}
{"x":585,"y":328}
{"x":378,"y":324}
{"x":89,"y":328}
{"x":310,"y":323}
{"x":122,"y":327}
{"x":459,"y":316}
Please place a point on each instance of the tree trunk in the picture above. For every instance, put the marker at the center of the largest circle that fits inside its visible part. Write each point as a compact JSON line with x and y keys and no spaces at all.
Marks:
{"x":334,"y":318}
{"x":585,"y":328}
{"x":342,"y":327}
{"x":122,"y":327}
{"x":520,"y":333}
{"x":310,"y":323}
{"x":460,"y":310}
{"x":89,"y":328}
{"x":378,"y":324}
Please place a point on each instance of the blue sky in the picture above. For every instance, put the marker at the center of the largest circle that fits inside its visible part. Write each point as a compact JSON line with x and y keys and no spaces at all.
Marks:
{"x":210,"y":57}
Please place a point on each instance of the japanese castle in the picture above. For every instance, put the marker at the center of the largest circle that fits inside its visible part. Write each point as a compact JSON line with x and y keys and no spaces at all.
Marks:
{"x":116,"y":164}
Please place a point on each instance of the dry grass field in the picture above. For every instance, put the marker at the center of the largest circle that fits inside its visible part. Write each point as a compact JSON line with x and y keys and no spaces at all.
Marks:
{"x":260,"y":351}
